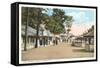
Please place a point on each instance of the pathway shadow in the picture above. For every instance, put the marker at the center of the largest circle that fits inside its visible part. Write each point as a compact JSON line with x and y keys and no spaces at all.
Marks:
{"x":81,"y":50}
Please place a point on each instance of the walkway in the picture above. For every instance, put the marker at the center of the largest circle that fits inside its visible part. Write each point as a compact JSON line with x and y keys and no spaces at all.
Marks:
{"x":55,"y":52}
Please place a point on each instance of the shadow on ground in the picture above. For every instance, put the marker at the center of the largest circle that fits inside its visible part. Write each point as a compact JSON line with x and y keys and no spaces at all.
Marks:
{"x":81,"y":50}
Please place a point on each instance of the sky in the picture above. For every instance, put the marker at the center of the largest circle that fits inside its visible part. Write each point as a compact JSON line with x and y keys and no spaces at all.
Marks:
{"x":83,"y":19}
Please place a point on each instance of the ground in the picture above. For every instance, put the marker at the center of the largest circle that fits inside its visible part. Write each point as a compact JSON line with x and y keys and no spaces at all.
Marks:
{"x":60,"y":51}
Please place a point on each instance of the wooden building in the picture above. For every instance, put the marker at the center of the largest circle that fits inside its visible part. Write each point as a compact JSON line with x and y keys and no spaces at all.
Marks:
{"x":78,"y":41}
{"x":89,"y":40}
{"x":44,"y":38}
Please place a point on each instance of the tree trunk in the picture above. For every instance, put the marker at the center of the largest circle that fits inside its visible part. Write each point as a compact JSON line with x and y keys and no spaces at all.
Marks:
{"x":25,"y":46}
{"x":37,"y":36}
{"x":37,"y":30}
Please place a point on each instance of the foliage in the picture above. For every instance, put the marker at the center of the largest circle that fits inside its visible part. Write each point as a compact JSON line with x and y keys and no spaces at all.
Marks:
{"x":54,"y":26}
{"x":35,"y":15}
{"x":54,"y":23}
{"x":69,"y":20}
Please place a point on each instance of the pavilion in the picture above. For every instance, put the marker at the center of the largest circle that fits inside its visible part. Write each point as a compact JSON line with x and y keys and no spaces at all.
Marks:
{"x":89,"y":40}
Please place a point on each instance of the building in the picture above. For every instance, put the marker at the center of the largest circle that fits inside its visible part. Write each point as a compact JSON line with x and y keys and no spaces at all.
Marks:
{"x":44,"y":38}
{"x":77,"y":41}
{"x":89,"y":40}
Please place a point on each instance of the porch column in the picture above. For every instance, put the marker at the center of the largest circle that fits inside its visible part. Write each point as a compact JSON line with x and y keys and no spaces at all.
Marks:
{"x":38,"y":42}
{"x":44,"y":41}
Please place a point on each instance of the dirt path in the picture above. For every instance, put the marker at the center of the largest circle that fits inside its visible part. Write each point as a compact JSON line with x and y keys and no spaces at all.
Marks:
{"x":55,"y":52}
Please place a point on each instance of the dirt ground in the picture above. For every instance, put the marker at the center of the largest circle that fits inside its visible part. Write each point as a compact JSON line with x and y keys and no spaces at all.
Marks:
{"x":55,"y":52}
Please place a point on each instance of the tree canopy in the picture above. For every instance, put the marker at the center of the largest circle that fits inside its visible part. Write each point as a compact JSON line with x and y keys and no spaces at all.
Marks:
{"x":54,"y":23}
{"x":35,"y":14}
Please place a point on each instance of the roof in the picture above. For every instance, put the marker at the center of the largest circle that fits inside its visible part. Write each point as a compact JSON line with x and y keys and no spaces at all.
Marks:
{"x":91,"y":33}
{"x":32,"y":32}
{"x":79,"y":38}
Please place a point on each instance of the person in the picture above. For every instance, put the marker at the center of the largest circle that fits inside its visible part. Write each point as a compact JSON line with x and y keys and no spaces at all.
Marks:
{"x":56,"y":42}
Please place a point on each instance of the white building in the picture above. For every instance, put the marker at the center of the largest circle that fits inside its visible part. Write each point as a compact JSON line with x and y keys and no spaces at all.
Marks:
{"x":45,"y":37}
